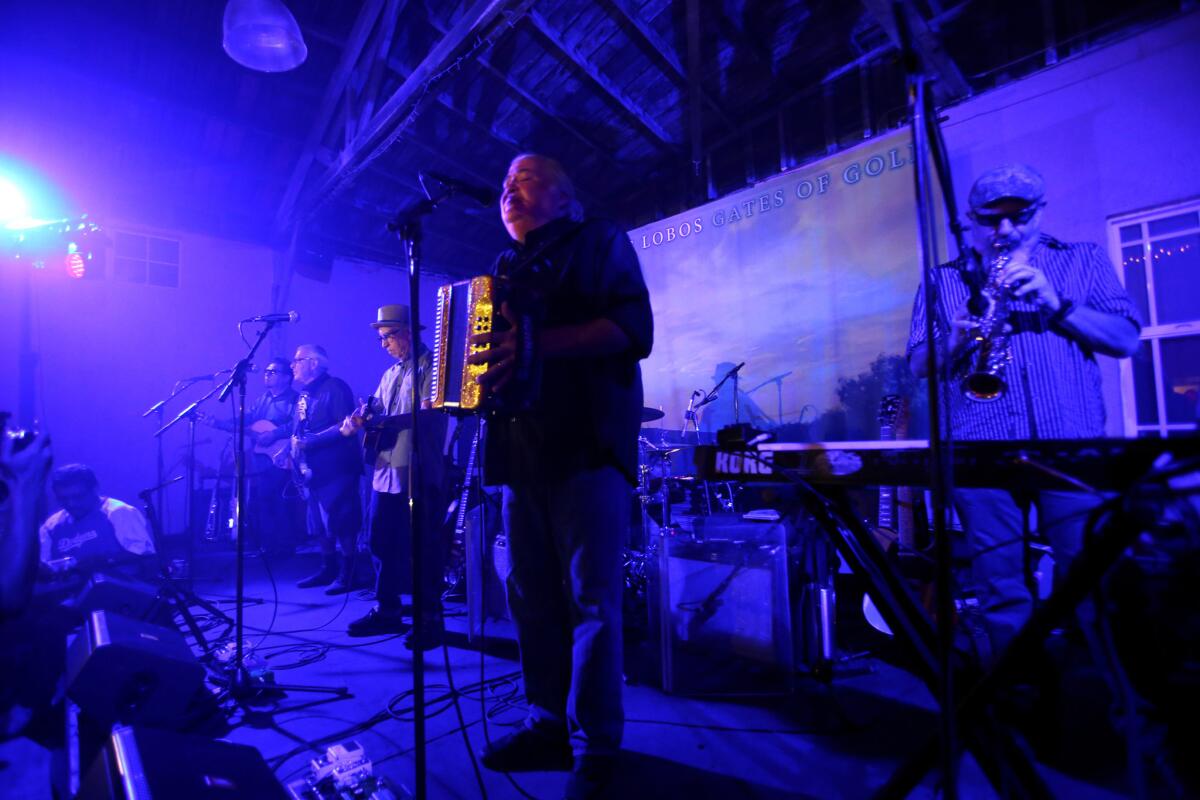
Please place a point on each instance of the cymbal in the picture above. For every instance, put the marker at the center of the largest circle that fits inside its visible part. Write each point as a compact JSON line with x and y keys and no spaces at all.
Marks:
{"x":651,"y":414}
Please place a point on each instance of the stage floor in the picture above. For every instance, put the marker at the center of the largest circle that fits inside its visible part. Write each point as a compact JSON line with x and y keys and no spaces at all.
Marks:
{"x":840,"y":740}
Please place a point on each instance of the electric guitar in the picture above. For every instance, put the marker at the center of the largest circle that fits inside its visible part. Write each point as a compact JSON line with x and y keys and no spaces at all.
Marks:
{"x":894,"y":529}
{"x":301,"y":472}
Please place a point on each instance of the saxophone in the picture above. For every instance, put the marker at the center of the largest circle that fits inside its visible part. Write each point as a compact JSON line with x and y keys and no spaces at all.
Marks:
{"x":985,"y":382}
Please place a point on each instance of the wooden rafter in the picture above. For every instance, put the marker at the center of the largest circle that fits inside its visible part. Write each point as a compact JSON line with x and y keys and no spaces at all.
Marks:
{"x":657,"y":46}
{"x":514,"y":147}
{"x":951,"y":84}
{"x":538,"y":106}
{"x":388,"y":124}
{"x":655,"y":132}
{"x":330,"y":102}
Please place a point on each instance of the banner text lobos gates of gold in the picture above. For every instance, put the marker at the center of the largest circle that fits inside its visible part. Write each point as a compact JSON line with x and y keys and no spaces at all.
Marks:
{"x":805,"y":189}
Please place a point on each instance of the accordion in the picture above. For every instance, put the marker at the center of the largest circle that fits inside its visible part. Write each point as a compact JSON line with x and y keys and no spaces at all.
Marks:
{"x":463,"y":310}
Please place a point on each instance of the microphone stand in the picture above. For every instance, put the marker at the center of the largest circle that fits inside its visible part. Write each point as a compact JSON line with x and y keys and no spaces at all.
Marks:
{"x":181,"y":597}
{"x":407,"y":227}
{"x":188,"y":413}
{"x":929,"y":154}
{"x":778,"y":381}
{"x":242,"y":685}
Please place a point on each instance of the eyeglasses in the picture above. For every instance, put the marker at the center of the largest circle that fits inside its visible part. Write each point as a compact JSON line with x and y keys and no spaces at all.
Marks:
{"x":992,"y":219}
{"x":273,"y":371}
{"x":383,"y":337}
{"x":296,"y":361}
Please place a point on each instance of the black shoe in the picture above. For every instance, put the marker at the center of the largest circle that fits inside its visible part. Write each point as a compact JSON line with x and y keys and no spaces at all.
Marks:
{"x":377,"y":624}
{"x":432,"y":635}
{"x":527,"y":750}
{"x":340,"y":585}
{"x":590,"y":777}
{"x":323,"y":577}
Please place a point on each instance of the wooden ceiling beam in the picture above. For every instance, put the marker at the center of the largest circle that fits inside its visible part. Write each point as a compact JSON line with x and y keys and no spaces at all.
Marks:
{"x":389,"y":123}
{"x":951,"y":84}
{"x":510,"y":144}
{"x":648,"y":125}
{"x":330,"y":102}
{"x":541,"y":108}
{"x":665,"y":54}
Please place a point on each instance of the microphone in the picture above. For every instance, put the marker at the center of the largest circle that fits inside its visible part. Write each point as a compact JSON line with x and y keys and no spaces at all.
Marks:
{"x":485,"y":197}
{"x":208,"y":376}
{"x":287,"y":316}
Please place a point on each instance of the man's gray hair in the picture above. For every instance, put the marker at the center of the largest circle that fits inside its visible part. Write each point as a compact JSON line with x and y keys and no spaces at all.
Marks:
{"x":561,"y":180}
{"x":319,"y":352}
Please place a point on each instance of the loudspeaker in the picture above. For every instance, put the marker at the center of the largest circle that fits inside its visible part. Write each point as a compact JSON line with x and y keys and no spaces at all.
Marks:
{"x":141,"y":763}
{"x":724,"y":612}
{"x":129,"y":598}
{"x":123,"y":670}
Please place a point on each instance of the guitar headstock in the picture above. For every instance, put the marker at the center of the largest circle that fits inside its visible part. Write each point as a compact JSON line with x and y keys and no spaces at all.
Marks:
{"x":892,"y":415}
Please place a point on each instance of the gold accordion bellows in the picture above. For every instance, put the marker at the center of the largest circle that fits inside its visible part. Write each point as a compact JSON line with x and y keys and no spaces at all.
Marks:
{"x":463,"y":310}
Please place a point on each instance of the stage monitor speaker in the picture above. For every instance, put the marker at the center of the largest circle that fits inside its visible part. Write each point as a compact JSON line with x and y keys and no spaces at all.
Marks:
{"x":129,"y":598}
{"x":140,"y":763}
{"x":723,"y":608}
{"x":123,"y":670}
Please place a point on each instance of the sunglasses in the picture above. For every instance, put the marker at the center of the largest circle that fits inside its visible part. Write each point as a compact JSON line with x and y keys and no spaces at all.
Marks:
{"x":383,"y":337}
{"x":992,"y":219}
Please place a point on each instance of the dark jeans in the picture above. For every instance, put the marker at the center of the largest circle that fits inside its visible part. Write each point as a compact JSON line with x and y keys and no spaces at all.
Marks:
{"x":276,"y":510}
{"x":994,"y":524}
{"x":565,"y":540}
{"x":335,"y":514}
{"x":391,"y":545}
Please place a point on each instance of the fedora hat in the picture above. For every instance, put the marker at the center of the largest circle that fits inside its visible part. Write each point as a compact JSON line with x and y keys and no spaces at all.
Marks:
{"x":393,"y":316}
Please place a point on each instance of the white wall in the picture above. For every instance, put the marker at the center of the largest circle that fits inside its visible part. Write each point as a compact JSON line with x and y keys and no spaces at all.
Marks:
{"x":337,"y":315}
{"x":1112,"y":131}
{"x":105,"y":350}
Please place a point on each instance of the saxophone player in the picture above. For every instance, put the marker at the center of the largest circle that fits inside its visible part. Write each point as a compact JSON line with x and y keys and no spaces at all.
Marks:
{"x":1061,"y":305}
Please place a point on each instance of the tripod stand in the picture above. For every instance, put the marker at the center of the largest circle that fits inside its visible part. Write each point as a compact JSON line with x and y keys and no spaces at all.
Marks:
{"x":242,"y":684}
{"x":174,"y":591}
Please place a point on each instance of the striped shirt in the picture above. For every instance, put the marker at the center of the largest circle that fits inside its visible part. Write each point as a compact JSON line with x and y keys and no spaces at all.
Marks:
{"x":1053,"y":380}
{"x":395,"y":397}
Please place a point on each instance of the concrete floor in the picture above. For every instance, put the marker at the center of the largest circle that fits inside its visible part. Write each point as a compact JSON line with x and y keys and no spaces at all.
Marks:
{"x":837,"y":740}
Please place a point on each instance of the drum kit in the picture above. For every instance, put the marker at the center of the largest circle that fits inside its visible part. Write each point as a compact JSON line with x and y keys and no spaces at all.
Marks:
{"x":668,"y":495}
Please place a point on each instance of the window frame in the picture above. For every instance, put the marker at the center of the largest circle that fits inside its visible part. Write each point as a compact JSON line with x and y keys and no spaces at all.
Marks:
{"x":1153,"y":334}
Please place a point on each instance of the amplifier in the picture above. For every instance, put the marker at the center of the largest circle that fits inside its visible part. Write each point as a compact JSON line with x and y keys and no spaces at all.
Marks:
{"x":487,"y":570}
{"x":127,"y":597}
{"x":724,"y":611}
{"x":123,"y":670}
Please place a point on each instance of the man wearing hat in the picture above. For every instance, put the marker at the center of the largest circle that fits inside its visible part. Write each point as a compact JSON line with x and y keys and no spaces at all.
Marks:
{"x":389,"y":452}
{"x":1065,"y":306}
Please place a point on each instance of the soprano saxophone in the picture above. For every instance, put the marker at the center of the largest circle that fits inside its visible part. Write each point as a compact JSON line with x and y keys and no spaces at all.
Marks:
{"x":985,"y":382}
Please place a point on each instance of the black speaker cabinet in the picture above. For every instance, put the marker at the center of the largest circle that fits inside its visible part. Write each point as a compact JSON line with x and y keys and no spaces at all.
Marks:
{"x":123,"y":670}
{"x":127,"y":597}
{"x":142,"y":763}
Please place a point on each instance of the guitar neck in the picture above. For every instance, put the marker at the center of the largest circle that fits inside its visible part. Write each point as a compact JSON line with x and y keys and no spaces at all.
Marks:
{"x":461,"y":523}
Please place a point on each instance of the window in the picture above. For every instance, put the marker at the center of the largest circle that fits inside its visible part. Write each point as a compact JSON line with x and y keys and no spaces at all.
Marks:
{"x":145,"y":259}
{"x":1158,"y":257}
